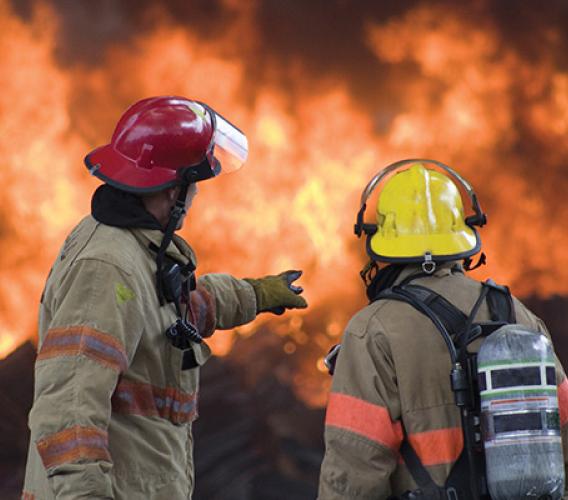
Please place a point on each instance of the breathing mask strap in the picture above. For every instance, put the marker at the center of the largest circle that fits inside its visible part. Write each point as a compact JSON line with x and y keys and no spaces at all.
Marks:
{"x":177,"y":212}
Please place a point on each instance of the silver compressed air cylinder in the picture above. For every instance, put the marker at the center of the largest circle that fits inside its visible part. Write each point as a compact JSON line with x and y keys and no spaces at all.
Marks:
{"x":520,"y":418}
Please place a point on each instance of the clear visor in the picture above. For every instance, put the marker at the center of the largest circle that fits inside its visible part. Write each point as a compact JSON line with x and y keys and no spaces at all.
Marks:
{"x":231,"y":145}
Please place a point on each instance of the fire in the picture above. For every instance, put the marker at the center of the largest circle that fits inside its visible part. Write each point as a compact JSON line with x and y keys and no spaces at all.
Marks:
{"x":466,"y":96}
{"x":313,"y":148}
{"x":39,"y":200}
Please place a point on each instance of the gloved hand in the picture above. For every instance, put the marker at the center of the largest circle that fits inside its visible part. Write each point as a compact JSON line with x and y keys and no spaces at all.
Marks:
{"x":275,"y":294}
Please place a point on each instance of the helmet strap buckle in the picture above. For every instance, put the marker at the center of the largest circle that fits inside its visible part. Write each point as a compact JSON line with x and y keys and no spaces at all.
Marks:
{"x":178,"y":210}
{"x":428,"y":266}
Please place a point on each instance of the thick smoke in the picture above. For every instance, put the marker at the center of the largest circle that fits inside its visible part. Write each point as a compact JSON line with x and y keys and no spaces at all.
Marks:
{"x":320,"y":35}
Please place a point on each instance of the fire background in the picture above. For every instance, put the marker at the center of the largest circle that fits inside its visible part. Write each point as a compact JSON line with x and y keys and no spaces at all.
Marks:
{"x":328,"y":92}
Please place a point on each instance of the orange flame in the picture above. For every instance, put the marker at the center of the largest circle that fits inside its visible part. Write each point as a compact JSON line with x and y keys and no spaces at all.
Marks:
{"x":312,"y":151}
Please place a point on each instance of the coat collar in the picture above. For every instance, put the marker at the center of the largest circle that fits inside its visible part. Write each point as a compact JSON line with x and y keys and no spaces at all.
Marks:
{"x":178,"y":249}
{"x":443,"y":269}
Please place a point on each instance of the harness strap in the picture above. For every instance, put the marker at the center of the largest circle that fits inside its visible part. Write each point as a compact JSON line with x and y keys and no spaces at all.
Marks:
{"x":420,"y":475}
{"x":463,"y":338}
{"x":451,"y":317}
{"x":402,"y":294}
{"x":500,"y":303}
{"x":427,"y":302}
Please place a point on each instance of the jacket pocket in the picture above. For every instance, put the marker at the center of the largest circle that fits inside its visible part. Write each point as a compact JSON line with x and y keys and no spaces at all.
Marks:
{"x":184,"y":372}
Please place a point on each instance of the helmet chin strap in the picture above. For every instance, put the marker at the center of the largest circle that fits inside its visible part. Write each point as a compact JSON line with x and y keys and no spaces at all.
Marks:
{"x":170,"y":287}
{"x":177,"y":212}
{"x":201,"y":171}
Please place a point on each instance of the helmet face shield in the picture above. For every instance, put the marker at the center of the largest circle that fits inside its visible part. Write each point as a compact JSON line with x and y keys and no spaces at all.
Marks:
{"x":229,"y":144}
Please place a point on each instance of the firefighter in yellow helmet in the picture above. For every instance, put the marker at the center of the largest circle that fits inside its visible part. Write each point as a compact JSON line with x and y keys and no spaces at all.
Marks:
{"x":420,"y":211}
{"x":402,"y":419}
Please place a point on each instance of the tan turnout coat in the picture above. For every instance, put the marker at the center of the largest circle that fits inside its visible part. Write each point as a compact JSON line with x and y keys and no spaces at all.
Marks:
{"x":112,"y":408}
{"x":393,"y":372}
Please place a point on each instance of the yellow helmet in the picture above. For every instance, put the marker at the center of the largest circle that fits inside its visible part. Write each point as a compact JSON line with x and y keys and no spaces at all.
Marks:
{"x":420,"y":216}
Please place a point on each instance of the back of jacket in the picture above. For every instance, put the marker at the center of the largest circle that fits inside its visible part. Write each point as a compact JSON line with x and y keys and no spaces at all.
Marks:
{"x":113,"y":405}
{"x":393,"y":373}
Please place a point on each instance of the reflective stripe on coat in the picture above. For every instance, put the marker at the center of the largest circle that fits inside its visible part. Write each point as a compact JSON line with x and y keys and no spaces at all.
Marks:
{"x":392,"y":373}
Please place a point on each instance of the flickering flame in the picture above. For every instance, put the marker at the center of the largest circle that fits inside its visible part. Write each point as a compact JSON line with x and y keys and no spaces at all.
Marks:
{"x":311,"y":153}
{"x":40,"y":195}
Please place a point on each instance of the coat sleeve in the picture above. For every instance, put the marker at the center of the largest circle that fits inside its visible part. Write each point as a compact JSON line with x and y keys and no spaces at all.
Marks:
{"x":94,"y":330}
{"x":362,"y":429}
{"x":234,"y":299}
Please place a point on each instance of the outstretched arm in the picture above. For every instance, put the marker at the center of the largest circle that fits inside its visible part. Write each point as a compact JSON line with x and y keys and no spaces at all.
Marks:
{"x":237,"y":301}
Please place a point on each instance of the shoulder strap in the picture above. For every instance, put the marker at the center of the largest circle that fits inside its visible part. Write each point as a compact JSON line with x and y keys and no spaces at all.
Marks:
{"x":449,"y":315}
{"x":401,"y":294}
{"x":452,"y":317}
{"x":448,"y":320}
{"x":498,"y":298}
{"x":455,"y":327}
{"x":500,"y":303}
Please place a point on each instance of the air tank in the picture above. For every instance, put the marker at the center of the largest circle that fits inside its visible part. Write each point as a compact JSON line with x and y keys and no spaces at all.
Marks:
{"x":520,"y":419}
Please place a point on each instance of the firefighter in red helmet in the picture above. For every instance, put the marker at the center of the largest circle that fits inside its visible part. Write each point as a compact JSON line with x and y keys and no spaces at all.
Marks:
{"x":123,"y":318}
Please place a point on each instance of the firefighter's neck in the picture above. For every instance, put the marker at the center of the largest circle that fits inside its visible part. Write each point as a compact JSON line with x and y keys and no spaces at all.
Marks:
{"x":161,"y":203}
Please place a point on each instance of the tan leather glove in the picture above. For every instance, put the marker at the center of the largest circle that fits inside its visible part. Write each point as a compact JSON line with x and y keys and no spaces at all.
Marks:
{"x":275,"y":294}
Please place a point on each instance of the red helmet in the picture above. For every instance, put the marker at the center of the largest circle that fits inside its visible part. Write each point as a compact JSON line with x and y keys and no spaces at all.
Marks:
{"x":162,"y":141}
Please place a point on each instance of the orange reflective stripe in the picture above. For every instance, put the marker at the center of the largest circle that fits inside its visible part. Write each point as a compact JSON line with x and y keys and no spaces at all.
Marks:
{"x":441,"y":446}
{"x":363,"y":418}
{"x":74,"y":444}
{"x":563,"y":401}
{"x":27,"y":496}
{"x":74,"y":340}
{"x":137,"y":398}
